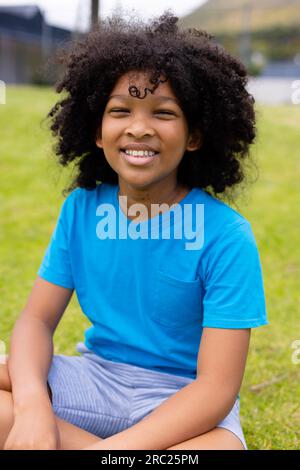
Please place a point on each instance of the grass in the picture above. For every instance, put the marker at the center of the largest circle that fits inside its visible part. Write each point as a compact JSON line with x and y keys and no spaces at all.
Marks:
{"x":30,"y":196}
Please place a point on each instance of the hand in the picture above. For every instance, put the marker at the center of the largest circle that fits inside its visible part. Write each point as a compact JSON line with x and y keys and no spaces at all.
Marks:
{"x":34,"y":428}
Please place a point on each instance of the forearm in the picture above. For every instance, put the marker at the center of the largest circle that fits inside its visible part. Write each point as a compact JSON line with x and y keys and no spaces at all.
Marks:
{"x":30,"y":357}
{"x":194,"y":410}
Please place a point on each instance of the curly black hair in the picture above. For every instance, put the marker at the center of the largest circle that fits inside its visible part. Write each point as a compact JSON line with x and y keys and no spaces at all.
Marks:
{"x":209,"y":83}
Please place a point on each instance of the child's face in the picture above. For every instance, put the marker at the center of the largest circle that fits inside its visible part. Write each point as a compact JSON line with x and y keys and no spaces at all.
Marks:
{"x":156,"y":121}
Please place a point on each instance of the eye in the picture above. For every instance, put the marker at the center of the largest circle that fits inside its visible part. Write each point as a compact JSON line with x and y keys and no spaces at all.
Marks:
{"x":168,"y":113}
{"x":119,"y":110}
{"x":124,"y":110}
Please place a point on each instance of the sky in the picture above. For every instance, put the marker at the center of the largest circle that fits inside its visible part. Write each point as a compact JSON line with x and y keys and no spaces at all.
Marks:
{"x":75,"y":13}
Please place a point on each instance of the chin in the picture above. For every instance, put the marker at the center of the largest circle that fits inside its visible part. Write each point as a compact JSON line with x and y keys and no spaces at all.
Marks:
{"x":137,"y":183}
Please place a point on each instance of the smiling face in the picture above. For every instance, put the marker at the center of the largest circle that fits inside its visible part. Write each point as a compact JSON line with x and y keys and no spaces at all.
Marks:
{"x":154,"y":123}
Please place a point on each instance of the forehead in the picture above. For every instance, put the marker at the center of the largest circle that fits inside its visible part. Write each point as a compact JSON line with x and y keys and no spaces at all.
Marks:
{"x":162,"y":94}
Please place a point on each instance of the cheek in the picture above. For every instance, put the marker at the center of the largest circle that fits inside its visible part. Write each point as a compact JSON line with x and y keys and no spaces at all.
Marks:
{"x":105,"y":131}
{"x":110,"y":129}
{"x":177,"y":138}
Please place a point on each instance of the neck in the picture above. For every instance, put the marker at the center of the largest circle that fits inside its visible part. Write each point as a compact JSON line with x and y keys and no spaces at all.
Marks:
{"x":167,"y":195}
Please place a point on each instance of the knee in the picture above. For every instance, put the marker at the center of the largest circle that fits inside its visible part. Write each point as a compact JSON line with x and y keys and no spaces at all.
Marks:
{"x":5,"y":383}
{"x":6,"y":416}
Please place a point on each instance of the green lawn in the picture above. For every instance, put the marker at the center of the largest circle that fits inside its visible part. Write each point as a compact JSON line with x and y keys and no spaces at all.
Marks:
{"x":30,"y":196}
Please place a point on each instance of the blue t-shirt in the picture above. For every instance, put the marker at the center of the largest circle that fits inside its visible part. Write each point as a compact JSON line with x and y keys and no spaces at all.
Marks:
{"x":148,"y":297}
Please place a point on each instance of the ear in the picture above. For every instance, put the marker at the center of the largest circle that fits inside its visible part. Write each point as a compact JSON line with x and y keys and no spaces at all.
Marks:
{"x":195,"y":141}
{"x":98,"y":140}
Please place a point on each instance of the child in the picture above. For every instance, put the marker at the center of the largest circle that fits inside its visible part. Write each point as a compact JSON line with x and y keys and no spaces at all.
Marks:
{"x":152,"y":115}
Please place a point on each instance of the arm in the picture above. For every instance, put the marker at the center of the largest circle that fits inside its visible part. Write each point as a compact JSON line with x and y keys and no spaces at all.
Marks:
{"x":31,"y":352}
{"x":199,"y":406}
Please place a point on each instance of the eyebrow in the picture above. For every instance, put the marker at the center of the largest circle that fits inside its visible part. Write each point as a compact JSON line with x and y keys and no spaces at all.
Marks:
{"x":160,"y":98}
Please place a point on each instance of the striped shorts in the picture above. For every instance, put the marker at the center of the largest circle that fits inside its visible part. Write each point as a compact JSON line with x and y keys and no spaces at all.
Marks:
{"x":105,"y":397}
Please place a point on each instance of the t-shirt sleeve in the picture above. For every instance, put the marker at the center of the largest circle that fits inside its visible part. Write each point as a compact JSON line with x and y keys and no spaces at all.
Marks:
{"x":234,"y":291}
{"x":56,"y":265}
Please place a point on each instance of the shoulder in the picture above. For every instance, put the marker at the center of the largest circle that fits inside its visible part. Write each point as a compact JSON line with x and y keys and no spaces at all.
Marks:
{"x":219,"y":218}
{"x":81,"y":203}
{"x":81,"y":196}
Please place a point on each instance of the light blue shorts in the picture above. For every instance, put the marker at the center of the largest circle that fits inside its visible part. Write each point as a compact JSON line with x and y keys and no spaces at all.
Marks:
{"x":105,"y":397}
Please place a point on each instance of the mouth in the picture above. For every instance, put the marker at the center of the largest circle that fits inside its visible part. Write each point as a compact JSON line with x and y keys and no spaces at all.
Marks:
{"x":138,"y":159}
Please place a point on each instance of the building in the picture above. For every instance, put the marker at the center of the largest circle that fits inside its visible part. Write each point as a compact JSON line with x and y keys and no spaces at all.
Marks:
{"x":26,"y":43}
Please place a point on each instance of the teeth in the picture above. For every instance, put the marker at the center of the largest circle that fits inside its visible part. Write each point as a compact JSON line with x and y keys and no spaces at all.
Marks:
{"x":140,"y":153}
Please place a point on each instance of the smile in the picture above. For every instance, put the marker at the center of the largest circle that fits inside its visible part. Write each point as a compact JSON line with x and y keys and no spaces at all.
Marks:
{"x":138,"y":157}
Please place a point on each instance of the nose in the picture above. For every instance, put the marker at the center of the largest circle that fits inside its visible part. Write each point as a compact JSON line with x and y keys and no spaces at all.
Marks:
{"x":139,"y":128}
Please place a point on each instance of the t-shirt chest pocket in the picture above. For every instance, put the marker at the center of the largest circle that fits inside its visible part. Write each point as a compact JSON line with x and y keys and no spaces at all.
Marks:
{"x":176,"y":303}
